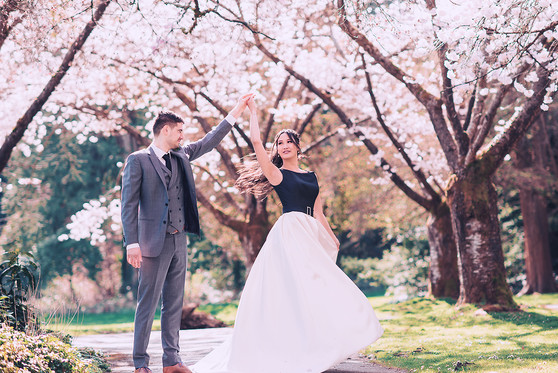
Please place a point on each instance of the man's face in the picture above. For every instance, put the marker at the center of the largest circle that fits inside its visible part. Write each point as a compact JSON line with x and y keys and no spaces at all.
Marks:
{"x":174,"y":134}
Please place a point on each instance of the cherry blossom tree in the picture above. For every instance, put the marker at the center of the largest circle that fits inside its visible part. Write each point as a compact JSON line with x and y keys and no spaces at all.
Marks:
{"x":7,"y":25}
{"x":328,"y":69}
{"x":418,"y":85}
{"x":490,"y":49}
{"x":480,"y":60}
{"x":199,"y":74}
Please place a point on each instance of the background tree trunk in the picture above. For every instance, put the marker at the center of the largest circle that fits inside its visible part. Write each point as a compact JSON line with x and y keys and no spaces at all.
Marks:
{"x":538,"y":264}
{"x":472,"y":201}
{"x":254,"y":234}
{"x":443,"y":273}
{"x":533,"y":159}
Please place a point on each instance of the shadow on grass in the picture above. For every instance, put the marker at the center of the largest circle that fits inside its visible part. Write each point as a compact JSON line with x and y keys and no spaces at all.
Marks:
{"x":527,"y":318}
{"x":463,"y":360}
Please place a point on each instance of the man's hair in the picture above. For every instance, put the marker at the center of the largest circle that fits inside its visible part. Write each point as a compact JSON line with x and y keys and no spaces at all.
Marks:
{"x":165,"y":118}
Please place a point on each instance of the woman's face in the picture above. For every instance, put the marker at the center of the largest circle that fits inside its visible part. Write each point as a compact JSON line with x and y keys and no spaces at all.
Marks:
{"x":286,"y":148}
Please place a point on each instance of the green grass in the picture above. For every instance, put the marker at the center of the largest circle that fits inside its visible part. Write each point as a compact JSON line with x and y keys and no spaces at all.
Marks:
{"x":225,"y":312}
{"x":421,"y":334}
{"x":123,"y":321}
{"x":434,"y":336}
{"x":97,"y":323}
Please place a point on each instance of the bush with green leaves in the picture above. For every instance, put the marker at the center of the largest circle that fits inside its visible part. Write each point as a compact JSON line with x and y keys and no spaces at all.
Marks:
{"x":402,"y":270}
{"x":45,"y":353}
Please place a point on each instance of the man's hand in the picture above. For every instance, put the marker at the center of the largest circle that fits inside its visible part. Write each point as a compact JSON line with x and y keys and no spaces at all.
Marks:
{"x":134,"y":256}
{"x":241,"y":105}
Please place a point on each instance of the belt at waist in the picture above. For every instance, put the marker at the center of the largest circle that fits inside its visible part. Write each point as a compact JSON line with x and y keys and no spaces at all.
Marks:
{"x":304,"y":209}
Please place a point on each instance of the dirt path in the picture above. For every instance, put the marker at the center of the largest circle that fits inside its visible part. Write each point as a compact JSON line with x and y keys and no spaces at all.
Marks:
{"x":194,"y":345}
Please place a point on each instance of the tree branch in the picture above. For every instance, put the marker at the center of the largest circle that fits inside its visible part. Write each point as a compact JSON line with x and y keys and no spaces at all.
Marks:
{"x":270,"y":120}
{"x":478,"y":109}
{"x":227,"y":195}
{"x":136,"y":135}
{"x":499,"y":147}
{"x":432,"y":104}
{"x":470,"y":107}
{"x":319,"y":141}
{"x":486,"y":123}
{"x":9,"y":6}
{"x":461,"y":137}
{"x":327,"y":99}
{"x":419,"y":175}
{"x":23,"y":123}
{"x":234,"y":224}
{"x":226,"y":158}
{"x":300,"y":129}
{"x":394,"y":177}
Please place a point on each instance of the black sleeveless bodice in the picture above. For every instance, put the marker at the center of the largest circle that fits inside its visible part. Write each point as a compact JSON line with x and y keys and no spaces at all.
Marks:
{"x":298,"y":191}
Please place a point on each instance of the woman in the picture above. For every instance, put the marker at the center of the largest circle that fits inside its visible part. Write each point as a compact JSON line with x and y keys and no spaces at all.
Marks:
{"x":299,"y":313}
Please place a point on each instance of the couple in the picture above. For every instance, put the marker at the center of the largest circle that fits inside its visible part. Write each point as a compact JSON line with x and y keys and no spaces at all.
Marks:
{"x":298,"y":312}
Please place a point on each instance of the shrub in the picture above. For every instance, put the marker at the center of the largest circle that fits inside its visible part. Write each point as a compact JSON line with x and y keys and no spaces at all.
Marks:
{"x":17,"y":282}
{"x":44,"y":353}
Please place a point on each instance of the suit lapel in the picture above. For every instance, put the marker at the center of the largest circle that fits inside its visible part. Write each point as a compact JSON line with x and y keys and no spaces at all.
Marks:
{"x":181,"y":157}
{"x":189,"y":186}
{"x":158,"y":166}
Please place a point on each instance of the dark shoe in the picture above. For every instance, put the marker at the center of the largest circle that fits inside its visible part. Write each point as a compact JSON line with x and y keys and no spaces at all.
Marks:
{"x":178,"y":368}
{"x":143,"y":370}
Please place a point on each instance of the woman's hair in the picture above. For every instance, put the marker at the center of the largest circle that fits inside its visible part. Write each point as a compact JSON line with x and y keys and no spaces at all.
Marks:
{"x":251,"y":178}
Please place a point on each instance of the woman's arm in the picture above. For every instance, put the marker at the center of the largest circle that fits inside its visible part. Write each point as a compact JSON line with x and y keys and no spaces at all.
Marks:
{"x":271,"y":172}
{"x":319,"y":215}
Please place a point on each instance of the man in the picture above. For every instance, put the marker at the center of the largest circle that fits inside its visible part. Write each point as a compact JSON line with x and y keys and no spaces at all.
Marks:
{"x":158,"y":208}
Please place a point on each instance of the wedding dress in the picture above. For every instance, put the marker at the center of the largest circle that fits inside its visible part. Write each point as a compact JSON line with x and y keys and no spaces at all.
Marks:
{"x":299,"y":312}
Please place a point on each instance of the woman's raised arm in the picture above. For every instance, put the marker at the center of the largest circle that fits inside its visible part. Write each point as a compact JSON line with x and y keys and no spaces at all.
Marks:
{"x":271,"y":172}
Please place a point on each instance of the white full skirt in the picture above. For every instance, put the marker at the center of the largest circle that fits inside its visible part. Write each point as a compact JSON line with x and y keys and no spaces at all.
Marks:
{"x":298,"y":313}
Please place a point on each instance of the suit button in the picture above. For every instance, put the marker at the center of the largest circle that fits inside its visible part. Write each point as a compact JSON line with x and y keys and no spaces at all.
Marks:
{"x":164,"y":222}
{"x":166,"y":204}
{"x":170,"y":210}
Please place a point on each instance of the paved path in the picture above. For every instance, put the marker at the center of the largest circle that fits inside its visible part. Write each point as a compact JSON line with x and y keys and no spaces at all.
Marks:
{"x":194,"y":344}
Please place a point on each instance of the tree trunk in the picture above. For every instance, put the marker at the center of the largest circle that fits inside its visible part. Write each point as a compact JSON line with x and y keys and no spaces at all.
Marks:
{"x":443,"y":273}
{"x":538,"y":264}
{"x":473,"y":204}
{"x":531,"y":157}
{"x":2,"y":214}
{"x":252,"y":240}
{"x":254,"y":232}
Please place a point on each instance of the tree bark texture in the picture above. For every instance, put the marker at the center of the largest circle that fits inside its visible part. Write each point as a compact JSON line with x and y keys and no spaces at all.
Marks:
{"x":443,"y":273}
{"x":473,"y":203}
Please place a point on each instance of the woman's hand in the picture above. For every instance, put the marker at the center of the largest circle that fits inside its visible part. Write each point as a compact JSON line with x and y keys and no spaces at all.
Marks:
{"x":251,"y":104}
{"x":241,"y":105}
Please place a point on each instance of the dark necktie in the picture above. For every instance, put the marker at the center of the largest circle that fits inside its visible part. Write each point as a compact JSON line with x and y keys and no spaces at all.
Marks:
{"x":166,"y":157}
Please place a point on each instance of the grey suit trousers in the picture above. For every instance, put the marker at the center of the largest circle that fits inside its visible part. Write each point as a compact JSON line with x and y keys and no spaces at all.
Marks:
{"x":164,"y":274}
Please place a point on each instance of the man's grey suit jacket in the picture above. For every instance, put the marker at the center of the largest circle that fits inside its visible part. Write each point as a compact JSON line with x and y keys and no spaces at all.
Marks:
{"x":144,"y":191}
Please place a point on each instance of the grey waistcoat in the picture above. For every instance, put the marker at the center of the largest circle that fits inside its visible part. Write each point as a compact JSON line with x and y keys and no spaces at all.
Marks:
{"x":176,"y":220}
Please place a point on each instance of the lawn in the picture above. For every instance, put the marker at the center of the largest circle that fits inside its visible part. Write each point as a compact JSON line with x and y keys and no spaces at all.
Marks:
{"x":422,"y":334}
{"x":434,"y":336}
